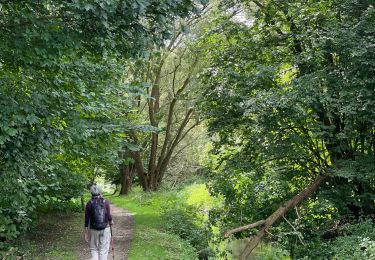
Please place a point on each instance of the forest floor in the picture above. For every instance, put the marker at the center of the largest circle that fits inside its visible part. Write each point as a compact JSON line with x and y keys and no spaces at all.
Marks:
{"x":60,"y":236}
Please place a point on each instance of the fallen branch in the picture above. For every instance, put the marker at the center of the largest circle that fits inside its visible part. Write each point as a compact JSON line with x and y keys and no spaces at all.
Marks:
{"x":280,"y":212}
{"x":239,"y":229}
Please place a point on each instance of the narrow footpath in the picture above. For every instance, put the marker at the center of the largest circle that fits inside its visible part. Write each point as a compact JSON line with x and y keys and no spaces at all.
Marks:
{"x":122,"y":233}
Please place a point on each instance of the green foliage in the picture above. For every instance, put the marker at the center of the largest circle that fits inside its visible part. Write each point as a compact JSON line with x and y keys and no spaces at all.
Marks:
{"x":264,"y":251}
{"x":181,"y":213}
{"x":187,"y":216}
{"x":288,"y":98}
{"x":170,"y":73}
{"x":160,"y":245}
{"x":355,"y":241}
{"x":180,"y":220}
{"x":198,"y":196}
{"x":64,"y":106}
{"x":150,"y":232}
{"x":360,"y":174}
{"x":54,"y":132}
{"x":268,"y":252}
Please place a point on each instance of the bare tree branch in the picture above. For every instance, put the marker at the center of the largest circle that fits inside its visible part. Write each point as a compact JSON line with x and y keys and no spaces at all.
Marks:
{"x":246,"y":227}
{"x":295,"y":230}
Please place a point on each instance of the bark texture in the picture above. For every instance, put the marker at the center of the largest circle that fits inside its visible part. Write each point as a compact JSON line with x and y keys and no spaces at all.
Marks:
{"x":126,"y":179}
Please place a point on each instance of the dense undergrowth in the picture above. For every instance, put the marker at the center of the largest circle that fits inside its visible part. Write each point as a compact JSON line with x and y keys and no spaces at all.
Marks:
{"x":167,"y":217}
{"x":166,"y":227}
{"x":175,"y":224}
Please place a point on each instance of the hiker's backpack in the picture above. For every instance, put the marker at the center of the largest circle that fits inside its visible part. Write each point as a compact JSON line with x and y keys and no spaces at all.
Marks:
{"x":99,"y":219}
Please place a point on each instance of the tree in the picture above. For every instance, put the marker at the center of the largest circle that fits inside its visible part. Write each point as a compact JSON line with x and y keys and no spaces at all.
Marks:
{"x":289,"y":103}
{"x":62,"y":94}
{"x":170,"y":74}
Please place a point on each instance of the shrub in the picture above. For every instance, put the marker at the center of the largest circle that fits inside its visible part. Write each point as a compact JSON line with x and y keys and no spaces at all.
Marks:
{"x":355,"y":241}
{"x":186,"y":214}
{"x":181,"y":221}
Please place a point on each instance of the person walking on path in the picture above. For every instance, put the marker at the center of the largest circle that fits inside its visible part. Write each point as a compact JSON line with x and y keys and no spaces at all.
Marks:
{"x":97,"y":224}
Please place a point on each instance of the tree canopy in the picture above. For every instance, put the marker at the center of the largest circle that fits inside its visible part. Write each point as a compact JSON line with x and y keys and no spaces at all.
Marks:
{"x":291,"y":98}
{"x":63,"y":99}
{"x":285,"y":90}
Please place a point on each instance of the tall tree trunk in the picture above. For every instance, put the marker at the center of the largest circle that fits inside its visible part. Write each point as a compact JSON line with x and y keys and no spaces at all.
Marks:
{"x":126,"y":179}
{"x":170,"y":142}
{"x":154,"y":108}
{"x":162,"y":166}
{"x":280,"y":212}
{"x":160,"y":150}
{"x":140,"y":170}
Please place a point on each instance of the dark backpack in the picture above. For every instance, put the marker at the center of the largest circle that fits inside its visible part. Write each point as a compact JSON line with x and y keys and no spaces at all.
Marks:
{"x":99,"y":219}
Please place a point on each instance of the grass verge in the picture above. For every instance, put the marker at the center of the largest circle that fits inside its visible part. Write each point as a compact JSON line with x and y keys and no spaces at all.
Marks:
{"x":150,"y":240}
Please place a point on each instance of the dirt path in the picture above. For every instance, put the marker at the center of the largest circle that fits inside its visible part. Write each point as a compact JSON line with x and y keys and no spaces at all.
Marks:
{"x":122,"y":233}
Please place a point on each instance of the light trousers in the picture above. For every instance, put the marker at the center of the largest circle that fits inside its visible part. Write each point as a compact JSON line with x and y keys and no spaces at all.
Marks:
{"x":99,"y":243}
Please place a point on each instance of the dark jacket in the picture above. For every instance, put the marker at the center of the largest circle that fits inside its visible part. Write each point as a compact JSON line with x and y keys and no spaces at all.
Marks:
{"x":88,"y":210}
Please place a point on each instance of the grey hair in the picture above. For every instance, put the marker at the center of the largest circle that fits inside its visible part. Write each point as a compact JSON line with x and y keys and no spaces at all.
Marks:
{"x":96,"y":190}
